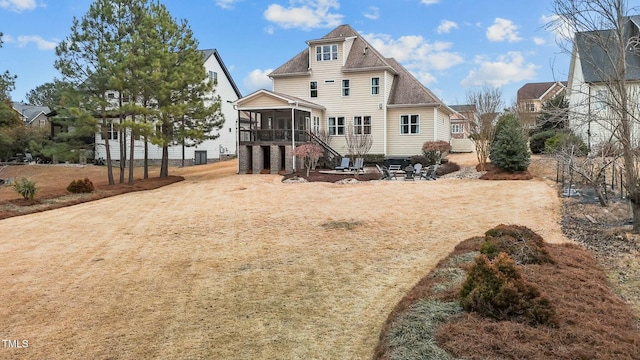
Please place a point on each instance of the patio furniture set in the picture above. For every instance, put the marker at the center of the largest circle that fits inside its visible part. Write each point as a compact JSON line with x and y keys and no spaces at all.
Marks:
{"x":409,"y":172}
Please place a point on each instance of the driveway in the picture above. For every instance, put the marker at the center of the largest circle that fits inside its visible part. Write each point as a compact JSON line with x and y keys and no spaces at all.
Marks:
{"x":226,"y":266}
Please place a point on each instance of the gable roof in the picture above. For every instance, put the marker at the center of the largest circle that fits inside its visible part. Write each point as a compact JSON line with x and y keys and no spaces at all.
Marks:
{"x":213,"y":52}
{"x":30,"y":112}
{"x":291,"y":100}
{"x":597,"y":58}
{"x":362,"y":57}
{"x":408,"y":91}
{"x":537,"y":90}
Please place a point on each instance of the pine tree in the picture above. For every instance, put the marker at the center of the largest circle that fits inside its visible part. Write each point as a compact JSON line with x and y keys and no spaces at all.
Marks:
{"x":509,"y":151}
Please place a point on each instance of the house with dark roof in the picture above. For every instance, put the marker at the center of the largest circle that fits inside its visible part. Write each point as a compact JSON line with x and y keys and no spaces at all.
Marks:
{"x":225,"y":146}
{"x":337,"y":83}
{"x":532,"y":96}
{"x":592,"y":77}
{"x":34,"y":116}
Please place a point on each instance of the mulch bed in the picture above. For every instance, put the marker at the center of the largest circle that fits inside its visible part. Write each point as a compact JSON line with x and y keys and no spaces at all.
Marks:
{"x":591,"y":321}
{"x":317,"y":176}
{"x":63,"y":198}
{"x":493,"y":173}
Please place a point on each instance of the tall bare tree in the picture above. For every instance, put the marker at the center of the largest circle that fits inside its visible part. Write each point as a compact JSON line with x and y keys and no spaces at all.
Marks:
{"x":488,"y":101}
{"x":359,"y":141}
{"x":606,"y":46}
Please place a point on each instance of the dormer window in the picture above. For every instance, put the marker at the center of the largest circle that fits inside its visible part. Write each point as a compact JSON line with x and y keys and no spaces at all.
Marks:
{"x":326,"y":52}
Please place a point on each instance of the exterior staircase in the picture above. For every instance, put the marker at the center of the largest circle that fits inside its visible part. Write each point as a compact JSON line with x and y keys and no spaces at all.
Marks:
{"x":332,"y":157}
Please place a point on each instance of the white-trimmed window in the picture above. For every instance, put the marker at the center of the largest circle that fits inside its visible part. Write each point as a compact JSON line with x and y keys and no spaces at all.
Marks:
{"x":313,"y":89}
{"x":409,"y":124}
{"x":361,"y":125}
{"x":457,"y":128}
{"x":336,"y":126}
{"x":326,"y":52}
{"x":213,"y":76}
{"x":375,"y":86}
{"x":316,"y":124}
{"x":112,"y":132}
{"x":600,"y":101}
{"x":530,"y":107}
{"x":346,"y":87}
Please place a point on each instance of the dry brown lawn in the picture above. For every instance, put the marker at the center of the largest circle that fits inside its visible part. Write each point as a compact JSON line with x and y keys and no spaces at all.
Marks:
{"x":226,"y":266}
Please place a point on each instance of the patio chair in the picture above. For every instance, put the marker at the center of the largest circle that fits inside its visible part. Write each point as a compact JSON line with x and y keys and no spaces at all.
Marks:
{"x":344,"y":165}
{"x":430,"y":173}
{"x":386,"y":174}
{"x":417,"y":170}
{"x":358,"y":165}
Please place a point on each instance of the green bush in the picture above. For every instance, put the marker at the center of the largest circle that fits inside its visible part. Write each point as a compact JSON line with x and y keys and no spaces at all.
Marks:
{"x":26,"y":188}
{"x":566,"y":141}
{"x":537,"y":141}
{"x":519,"y":242}
{"x":80,"y":186}
{"x":497,"y":290}
{"x":509,"y":150}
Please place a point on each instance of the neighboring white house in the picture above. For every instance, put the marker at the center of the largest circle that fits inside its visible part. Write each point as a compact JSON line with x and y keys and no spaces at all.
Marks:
{"x":225,"y":146}
{"x":336,"y":82}
{"x":590,"y":72}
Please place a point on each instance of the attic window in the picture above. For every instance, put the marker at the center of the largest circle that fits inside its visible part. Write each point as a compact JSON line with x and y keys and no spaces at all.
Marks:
{"x":326,"y":52}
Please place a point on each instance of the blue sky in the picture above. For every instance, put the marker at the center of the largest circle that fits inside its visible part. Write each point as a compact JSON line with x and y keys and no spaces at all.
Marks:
{"x":449,"y":45}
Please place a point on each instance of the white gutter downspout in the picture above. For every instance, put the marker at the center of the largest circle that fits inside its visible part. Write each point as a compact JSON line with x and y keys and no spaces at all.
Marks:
{"x":435,"y":124}
{"x":384,"y":116}
{"x":293,"y":135}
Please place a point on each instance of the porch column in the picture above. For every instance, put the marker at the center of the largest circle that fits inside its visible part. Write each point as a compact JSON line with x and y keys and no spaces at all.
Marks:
{"x":258,"y":159}
{"x":243,"y":159}
{"x":275,"y":160}
{"x":288,"y":158}
{"x":293,"y":136}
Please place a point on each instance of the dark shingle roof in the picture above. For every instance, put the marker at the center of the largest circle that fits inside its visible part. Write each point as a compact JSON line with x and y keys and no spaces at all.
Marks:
{"x":535,"y":90}
{"x":30,"y":112}
{"x":298,"y":65}
{"x":407,"y":90}
{"x":597,"y":58}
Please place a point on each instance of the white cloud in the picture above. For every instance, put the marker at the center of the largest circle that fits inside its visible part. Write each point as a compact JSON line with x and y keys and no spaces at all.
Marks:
{"x":503,"y":30}
{"x":506,"y":69}
{"x":560,"y":27}
{"x":446,"y":26}
{"x":257,"y":79}
{"x":18,"y":5}
{"x":226,"y":4}
{"x":270,"y":30}
{"x":372,"y":13}
{"x":24,"y":40}
{"x":305,"y":14}
{"x":416,"y":54}
{"x":539,"y":41}
{"x":429,"y":2}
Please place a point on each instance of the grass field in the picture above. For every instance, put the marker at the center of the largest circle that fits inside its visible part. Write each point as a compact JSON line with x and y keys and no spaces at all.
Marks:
{"x":233,"y":266}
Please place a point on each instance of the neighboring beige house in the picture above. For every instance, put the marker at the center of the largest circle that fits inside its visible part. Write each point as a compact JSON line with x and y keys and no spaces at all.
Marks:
{"x":532,"y":96}
{"x":34,"y":116}
{"x":336,"y":82}
{"x":461,"y":122}
{"x":208,"y":151}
